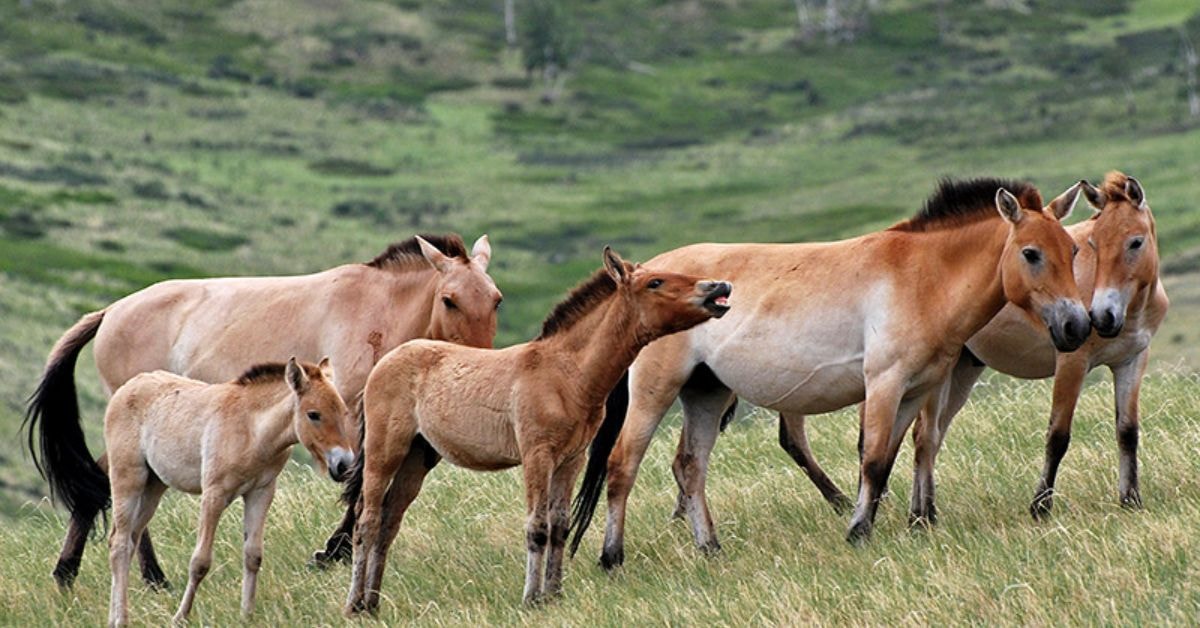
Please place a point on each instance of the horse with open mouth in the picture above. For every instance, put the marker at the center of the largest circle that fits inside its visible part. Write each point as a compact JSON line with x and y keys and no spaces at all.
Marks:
{"x":821,"y":326}
{"x":210,"y":329}
{"x":537,"y":404}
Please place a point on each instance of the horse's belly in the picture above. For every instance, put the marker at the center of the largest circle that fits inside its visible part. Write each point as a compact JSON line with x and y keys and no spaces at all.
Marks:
{"x":465,"y":439}
{"x":1012,"y":345}
{"x":177,"y":469}
{"x":807,"y":389}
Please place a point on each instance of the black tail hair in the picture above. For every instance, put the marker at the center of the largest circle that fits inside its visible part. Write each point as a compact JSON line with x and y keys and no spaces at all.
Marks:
{"x":597,"y":466}
{"x":729,"y":415}
{"x":353,"y":481}
{"x":53,"y":429}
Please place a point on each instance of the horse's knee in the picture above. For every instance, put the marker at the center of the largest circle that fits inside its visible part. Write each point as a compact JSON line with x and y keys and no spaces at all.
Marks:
{"x":199,"y":567}
{"x":537,"y":535}
{"x":253,"y":560}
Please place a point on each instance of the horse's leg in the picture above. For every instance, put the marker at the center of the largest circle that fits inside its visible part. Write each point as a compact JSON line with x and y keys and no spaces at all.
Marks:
{"x":561,"y":485}
{"x":647,"y":405}
{"x":78,"y":529}
{"x":794,"y":440}
{"x":886,"y":418}
{"x":538,"y":466}
{"x":406,"y":484}
{"x":702,"y":410}
{"x":152,"y":573}
{"x":339,"y":546}
{"x":1127,"y":384}
{"x":254,"y":521}
{"x":1069,"y":372}
{"x":929,"y":432}
{"x":379,"y":467}
{"x":212,"y":503}
{"x":126,"y":502}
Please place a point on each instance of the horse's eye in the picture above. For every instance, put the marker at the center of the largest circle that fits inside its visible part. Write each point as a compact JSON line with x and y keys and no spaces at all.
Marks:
{"x":449,"y":303}
{"x":498,"y":302}
{"x":1136,"y":243}
{"x":654,"y":284}
{"x":1092,"y":243}
{"x":1074,"y":250}
{"x":1032,"y":255}
{"x":314,"y":416}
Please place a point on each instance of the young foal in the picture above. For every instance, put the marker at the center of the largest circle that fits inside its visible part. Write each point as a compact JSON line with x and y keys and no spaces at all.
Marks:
{"x":536,"y":404}
{"x":221,"y":441}
{"x":1117,"y":272}
{"x":881,"y":317}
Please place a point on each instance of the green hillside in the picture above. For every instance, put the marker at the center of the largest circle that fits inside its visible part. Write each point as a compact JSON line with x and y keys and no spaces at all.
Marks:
{"x":143,"y":140}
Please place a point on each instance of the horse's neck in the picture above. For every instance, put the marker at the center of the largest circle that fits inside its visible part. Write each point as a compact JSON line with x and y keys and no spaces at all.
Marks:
{"x":270,"y":412}
{"x":603,"y":344}
{"x":961,"y":270}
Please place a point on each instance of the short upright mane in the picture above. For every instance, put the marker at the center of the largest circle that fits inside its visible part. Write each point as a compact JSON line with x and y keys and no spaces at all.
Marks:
{"x":960,"y":201}
{"x":264,"y":373}
{"x":583,"y":299}
{"x":408,"y":252}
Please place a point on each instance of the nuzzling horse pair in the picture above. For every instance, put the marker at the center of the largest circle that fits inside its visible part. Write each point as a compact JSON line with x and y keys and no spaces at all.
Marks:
{"x":1117,"y":272}
{"x":212,"y":329}
{"x":222,"y":441}
{"x":536,"y":404}
{"x":881,"y":318}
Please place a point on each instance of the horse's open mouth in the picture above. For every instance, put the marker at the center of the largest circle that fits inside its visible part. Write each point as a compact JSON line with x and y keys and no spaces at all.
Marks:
{"x":717,"y":301}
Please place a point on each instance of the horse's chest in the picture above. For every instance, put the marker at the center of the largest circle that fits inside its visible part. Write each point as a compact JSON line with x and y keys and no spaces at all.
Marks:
{"x":1122,"y":348}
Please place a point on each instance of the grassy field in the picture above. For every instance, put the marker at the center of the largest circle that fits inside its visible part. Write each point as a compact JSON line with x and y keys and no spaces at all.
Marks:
{"x":459,"y":557}
{"x":143,"y":140}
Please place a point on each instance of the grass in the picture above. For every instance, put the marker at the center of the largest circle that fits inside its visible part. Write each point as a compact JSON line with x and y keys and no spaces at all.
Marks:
{"x":459,"y":556}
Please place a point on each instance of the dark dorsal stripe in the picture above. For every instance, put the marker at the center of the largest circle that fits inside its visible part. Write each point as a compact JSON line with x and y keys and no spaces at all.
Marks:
{"x":583,"y":299}
{"x":409,"y":251}
{"x":961,"y":201}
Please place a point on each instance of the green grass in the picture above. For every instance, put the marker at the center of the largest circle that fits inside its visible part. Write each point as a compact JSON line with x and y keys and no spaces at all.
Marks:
{"x":459,"y":556}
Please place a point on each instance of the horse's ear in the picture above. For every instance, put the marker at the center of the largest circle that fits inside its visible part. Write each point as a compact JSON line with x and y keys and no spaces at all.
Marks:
{"x":1136,"y":194}
{"x":481,"y":252}
{"x":436,"y":258}
{"x":1095,"y":197}
{"x":1008,"y":206}
{"x":615,"y":265}
{"x":326,"y":368}
{"x":1061,"y":207}
{"x":296,"y":378}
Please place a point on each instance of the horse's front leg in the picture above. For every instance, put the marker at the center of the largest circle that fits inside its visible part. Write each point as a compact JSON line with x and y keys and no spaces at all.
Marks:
{"x":560,"y":521}
{"x":255,"y":521}
{"x":1127,"y":384}
{"x":538,"y":468}
{"x":1069,"y":371}
{"x":886,"y":417}
{"x":212,"y":503}
{"x":929,"y":432}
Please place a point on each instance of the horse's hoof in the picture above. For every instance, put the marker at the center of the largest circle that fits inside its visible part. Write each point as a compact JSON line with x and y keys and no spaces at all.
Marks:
{"x":533,"y":600}
{"x":842,"y":505}
{"x":1041,"y":507}
{"x":859,"y":533}
{"x":710,"y":549}
{"x":64,"y":574}
{"x":158,"y":585}
{"x":1132,"y":500}
{"x":611,"y":559}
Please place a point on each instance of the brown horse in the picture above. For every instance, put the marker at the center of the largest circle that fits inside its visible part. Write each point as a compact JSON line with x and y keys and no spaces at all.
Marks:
{"x":1117,"y":272}
{"x":536,"y":404}
{"x":821,"y":326}
{"x":220,"y":441}
{"x":209,"y":329}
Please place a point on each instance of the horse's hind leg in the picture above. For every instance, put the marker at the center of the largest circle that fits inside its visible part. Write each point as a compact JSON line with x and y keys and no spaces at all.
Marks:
{"x":929,"y":432}
{"x":406,"y":484}
{"x":152,"y":573}
{"x":136,"y":497}
{"x":378,"y":470}
{"x":340,"y":546}
{"x":793,"y":438}
{"x":702,"y":410}
{"x":1127,"y":383}
{"x":78,"y":529}
{"x":886,"y":418}
{"x":561,"y":485}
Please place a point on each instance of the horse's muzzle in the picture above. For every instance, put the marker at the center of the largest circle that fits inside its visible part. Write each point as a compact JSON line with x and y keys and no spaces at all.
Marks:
{"x":716,"y":296}
{"x":339,"y":461}
{"x":1068,"y":323}
{"x":1108,"y":313}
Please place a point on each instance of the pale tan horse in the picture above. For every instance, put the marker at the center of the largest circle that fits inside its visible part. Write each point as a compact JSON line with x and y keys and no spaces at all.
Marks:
{"x":209,"y":329}
{"x":822,"y":326}
{"x":1117,"y":272}
{"x":536,"y":404}
{"x":219,"y":441}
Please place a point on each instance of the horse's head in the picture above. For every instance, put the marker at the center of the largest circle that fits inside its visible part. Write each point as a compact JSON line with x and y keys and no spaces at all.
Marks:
{"x":465,"y":299}
{"x":320,"y":416}
{"x":1037,"y":265}
{"x":665,"y":302}
{"x":1126,"y":249}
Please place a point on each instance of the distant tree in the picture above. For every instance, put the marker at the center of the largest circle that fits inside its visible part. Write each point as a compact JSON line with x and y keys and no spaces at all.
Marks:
{"x":547,"y":41}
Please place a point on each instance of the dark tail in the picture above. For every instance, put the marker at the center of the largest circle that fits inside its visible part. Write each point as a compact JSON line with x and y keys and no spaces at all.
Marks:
{"x":54,"y":430}
{"x":730,"y":413}
{"x":597,"y":466}
{"x":354,"y":480}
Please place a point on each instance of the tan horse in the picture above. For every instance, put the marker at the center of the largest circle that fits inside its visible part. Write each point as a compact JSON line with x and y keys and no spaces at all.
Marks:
{"x":209,"y":329}
{"x":822,"y":326}
{"x":536,"y":404}
{"x":220,"y":441}
{"x":1117,"y":272}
